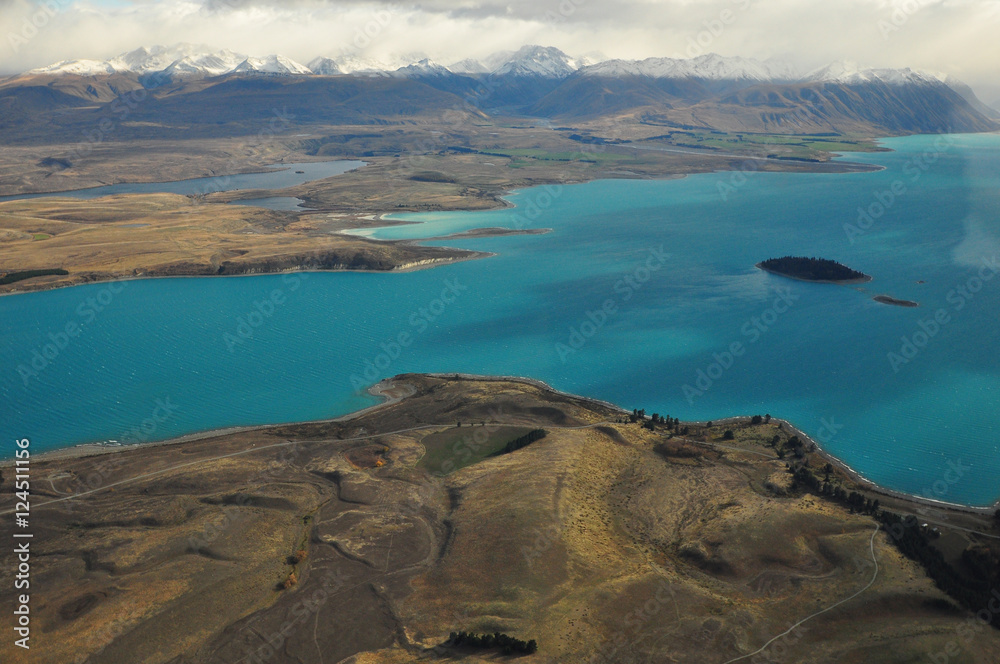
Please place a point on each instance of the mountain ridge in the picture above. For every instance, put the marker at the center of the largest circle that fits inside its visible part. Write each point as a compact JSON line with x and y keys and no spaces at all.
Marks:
{"x":711,"y":91}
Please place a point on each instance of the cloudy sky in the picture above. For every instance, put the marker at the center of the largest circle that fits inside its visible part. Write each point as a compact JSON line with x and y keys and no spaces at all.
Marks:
{"x":953,"y":36}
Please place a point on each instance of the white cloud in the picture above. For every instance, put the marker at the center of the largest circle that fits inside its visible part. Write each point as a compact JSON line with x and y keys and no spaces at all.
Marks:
{"x":953,"y":36}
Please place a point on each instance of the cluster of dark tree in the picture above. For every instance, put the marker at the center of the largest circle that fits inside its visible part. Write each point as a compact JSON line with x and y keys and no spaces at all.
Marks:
{"x":804,"y":478}
{"x":984,"y":562}
{"x":814,"y":269}
{"x":654,"y":420}
{"x":14,"y":277}
{"x":758,"y":419}
{"x":793,"y":445}
{"x":522,"y":441}
{"x":973,"y":592}
{"x":507,"y":645}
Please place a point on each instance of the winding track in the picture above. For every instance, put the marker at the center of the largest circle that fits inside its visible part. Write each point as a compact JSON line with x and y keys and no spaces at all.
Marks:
{"x":871,"y":544}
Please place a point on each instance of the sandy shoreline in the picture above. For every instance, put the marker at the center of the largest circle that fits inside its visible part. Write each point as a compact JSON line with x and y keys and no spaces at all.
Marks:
{"x":383,"y":388}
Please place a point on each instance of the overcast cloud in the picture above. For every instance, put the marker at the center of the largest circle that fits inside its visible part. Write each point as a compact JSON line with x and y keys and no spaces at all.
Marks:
{"x":952,"y":36}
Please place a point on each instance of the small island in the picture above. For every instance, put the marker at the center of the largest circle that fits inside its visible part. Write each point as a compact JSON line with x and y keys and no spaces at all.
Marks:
{"x":819,"y":270}
{"x":887,"y":299}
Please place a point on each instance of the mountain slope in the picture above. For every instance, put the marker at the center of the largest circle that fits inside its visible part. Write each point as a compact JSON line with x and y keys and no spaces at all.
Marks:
{"x":734,"y":94}
{"x":334,"y":100}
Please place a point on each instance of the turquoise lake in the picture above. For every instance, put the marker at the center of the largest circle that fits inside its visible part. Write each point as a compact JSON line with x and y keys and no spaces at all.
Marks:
{"x":909,"y":397}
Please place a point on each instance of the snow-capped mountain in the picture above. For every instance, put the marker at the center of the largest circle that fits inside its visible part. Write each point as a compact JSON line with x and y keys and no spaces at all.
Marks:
{"x":536,"y":67}
{"x":851,"y":73}
{"x":180,"y":60}
{"x":325,"y":67}
{"x":709,"y":67}
{"x":535,"y":61}
{"x":422,"y":69}
{"x":157,"y":58}
{"x":272,"y":64}
{"x":205,"y":64}
{"x":357,"y":66}
{"x":76,"y":67}
{"x":469,"y":66}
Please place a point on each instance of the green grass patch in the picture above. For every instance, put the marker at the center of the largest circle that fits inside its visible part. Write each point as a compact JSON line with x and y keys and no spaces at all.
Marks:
{"x":431,"y":176}
{"x":14,"y":277}
{"x":457,"y":448}
{"x":41,"y":236}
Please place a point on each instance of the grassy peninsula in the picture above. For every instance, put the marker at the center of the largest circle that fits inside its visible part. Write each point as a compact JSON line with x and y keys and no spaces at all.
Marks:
{"x":382,"y":536}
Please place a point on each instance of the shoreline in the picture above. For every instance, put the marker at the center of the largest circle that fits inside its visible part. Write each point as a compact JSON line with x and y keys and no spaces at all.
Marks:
{"x":857,"y":477}
{"x":380,"y":391}
{"x":85,"y":450}
{"x":500,"y":199}
{"x":399,"y":269}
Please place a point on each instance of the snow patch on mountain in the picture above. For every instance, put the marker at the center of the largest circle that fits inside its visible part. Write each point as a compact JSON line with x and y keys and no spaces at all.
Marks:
{"x":272,"y":64}
{"x":469,"y":66}
{"x":851,"y":73}
{"x":543,"y":61}
{"x":422,"y":69}
{"x":77,"y":67}
{"x":205,"y":64}
{"x":325,"y":67}
{"x":710,"y":67}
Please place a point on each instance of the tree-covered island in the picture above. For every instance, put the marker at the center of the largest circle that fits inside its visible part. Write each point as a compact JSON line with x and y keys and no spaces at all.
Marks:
{"x":813,"y":269}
